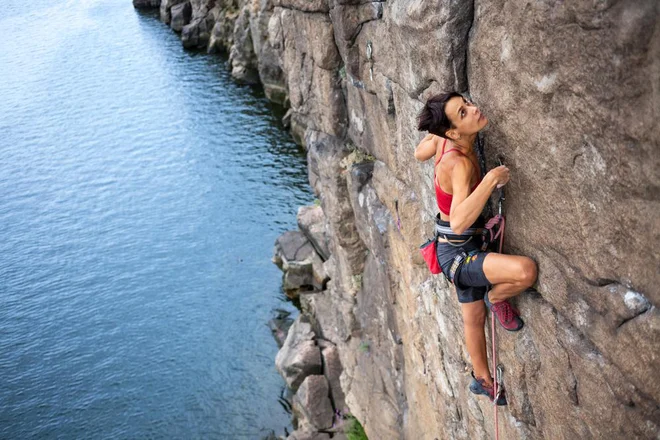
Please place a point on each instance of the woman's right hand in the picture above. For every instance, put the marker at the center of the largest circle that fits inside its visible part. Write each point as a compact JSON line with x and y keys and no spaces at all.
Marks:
{"x":499,"y":175}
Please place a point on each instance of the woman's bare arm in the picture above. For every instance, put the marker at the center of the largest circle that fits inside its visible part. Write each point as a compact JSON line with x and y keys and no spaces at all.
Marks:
{"x":465,"y":206}
{"x":426,"y":148}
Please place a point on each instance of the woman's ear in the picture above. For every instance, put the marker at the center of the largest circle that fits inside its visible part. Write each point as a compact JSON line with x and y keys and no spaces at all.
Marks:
{"x":452,"y":134}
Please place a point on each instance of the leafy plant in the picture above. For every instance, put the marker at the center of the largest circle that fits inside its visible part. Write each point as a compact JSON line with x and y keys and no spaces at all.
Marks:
{"x":354,"y":430}
{"x":357,"y":281}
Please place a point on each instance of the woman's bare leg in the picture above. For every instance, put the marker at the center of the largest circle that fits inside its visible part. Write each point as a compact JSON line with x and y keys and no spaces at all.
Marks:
{"x":474,"y":319}
{"x":509,"y":274}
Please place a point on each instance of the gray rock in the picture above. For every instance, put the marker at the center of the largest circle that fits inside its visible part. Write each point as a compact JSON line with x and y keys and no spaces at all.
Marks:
{"x":330,"y":312}
{"x":299,"y":356}
{"x":300,"y":435}
{"x":219,"y":33}
{"x":302,"y":266}
{"x":292,"y":246}
{"x":311,"y":222}
{"x":312,"y":405}
{"x":280,"y":325}
{"x":332,"y":371}
{"x":348,"y":20}
{"x":181,"y":15}
{"x":606,"y":165}
{"x":241,"y":55}
{"x":166,"y":9}
{"x":146,"y":4}
{"x":270,"y":72}
{"x":198,"y":33}
{"x":303,"y":5}
{"x":327,"y":174}
{"x":308,"y":56}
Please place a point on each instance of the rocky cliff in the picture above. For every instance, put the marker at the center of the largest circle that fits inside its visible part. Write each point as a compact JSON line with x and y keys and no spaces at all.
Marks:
{"x":572,"y":91}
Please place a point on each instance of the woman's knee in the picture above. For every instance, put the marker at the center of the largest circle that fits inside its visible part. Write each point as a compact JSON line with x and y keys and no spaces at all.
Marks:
{"x":527,"y":272}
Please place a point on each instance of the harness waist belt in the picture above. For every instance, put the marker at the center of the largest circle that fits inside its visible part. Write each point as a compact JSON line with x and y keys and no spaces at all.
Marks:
{"x":446,"y":230}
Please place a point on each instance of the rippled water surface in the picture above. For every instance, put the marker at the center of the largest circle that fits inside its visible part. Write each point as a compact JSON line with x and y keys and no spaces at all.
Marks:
{"x":141,"y":192}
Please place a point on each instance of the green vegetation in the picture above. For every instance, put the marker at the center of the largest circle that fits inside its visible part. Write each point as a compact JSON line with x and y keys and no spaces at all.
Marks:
{"x":364,"y":347}
{"x":355,"y":157}
{"x":354,"y":430}
{"x":356,"y":280}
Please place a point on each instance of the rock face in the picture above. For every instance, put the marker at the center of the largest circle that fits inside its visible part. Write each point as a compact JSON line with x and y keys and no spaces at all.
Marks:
{"x":180,"y":14}
{"x":312,"y":406}
{"x":299,"y":357}
{"x":572,"y":92}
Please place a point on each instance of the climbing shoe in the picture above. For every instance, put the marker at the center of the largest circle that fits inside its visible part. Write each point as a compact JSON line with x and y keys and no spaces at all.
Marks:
{"x":478,"y":386}
{"x":508,"y":317}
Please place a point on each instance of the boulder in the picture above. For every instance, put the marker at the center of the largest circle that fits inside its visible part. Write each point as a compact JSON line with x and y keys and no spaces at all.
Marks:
{"x":330,"y":312}
{"x":180,"y":14}
{"x":280,"y":325}
{"x":244,"y":65}
{"x":311,"y":222}
{"x":166,"y":9}
{"x":301,"y":435}
{"x":146,"y":4}
{"x":332,"y":371}
{"x":312,"y":405}
{"x":302,"y":266}
{"x":292,"y":246}
{"x":299,"y":356}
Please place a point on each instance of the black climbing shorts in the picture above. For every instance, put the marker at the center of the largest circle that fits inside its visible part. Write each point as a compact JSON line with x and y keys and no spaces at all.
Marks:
{"x":470,"y":281}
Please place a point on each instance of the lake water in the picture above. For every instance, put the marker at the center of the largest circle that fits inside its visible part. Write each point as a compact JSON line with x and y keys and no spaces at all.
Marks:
{"x":141,"y":192}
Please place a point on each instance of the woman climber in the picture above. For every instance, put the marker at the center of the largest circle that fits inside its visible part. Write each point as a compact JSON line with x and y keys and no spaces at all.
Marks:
{"x":453,"y":124}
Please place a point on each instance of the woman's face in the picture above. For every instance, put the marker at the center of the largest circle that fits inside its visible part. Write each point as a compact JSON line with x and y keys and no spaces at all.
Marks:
{"x":465,"y":116}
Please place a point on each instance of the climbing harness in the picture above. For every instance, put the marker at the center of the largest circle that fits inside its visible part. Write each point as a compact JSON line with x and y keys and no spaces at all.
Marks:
{"x":499,"y":370}
{"x":458,"y":259}
{"x":443,"y":230}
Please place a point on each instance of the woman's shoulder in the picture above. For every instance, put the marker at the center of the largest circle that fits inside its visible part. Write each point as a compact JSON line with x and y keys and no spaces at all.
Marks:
{"x":454,"y":161}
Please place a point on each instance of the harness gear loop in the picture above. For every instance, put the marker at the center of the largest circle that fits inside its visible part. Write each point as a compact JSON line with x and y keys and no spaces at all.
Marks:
{"x":458,"y":259}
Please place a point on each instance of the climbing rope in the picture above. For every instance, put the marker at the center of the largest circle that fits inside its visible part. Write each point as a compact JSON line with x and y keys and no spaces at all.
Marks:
{"x":499,"y":369}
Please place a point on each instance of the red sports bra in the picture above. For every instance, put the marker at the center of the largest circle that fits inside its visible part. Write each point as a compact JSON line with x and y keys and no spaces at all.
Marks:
{"x":444,"y":199}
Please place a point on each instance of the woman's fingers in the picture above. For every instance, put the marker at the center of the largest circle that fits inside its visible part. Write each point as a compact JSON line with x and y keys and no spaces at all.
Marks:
{"x":501,"y":175}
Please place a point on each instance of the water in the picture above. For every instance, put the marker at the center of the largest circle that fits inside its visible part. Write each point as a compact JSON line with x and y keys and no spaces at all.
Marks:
{"x":141,"y":192}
